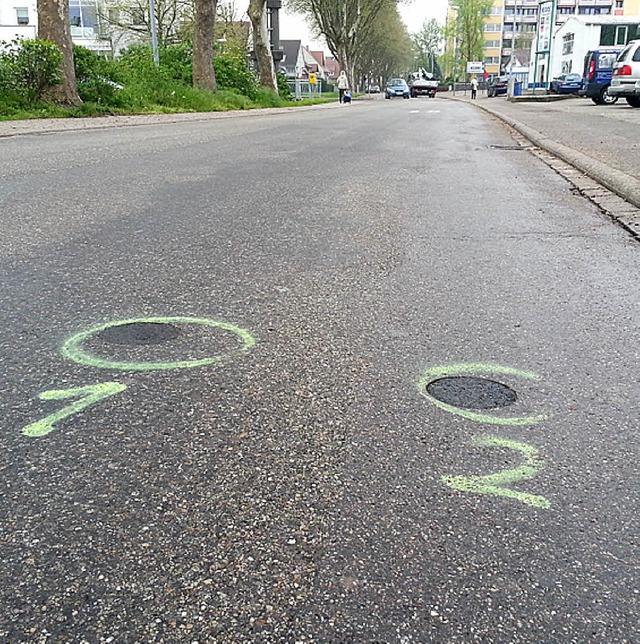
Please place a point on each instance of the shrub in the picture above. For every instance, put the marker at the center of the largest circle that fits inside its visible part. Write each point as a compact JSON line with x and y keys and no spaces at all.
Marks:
{"x":95,"y":77}
{"x":28,"y":67}
{"x":178,"y":61}
{"x":232,"y":72}
{"x":283,"y":86}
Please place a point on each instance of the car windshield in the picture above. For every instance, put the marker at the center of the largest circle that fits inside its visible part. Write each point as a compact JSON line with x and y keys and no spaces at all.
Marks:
{"x":573,"y":77}
{"x":395,"y":82}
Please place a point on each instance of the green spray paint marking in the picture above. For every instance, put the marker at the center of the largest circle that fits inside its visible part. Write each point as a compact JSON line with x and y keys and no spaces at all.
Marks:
{"x":87,"y":396}
{"x":497,"y":483}
{"x":73,"y":349}
{"x":433,"y":373}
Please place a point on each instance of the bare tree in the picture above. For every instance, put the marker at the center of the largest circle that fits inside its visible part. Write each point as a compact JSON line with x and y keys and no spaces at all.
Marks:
{"x":261,"y":44}
{"x":345,"y":25}
{"x":203,"y":36}
{"x":53,"y":25}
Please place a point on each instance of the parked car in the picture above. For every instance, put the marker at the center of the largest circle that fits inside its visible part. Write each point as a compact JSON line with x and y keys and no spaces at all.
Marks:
{"x":497,"y":85}
{"x":566,"y":84}
{"x":397,"y":87}
{"x":598,"y":67}
{"x":373,"y":89}
{"x":626,"y":73}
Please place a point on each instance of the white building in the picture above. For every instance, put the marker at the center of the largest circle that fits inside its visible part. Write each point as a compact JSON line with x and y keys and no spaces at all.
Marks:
{"x":89,"y":26}
{"x":579,"y":34}
{"x":18,"y":19}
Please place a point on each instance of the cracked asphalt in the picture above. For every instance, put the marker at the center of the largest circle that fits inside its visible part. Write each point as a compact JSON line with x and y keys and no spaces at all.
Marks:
{"x":295,"y":490}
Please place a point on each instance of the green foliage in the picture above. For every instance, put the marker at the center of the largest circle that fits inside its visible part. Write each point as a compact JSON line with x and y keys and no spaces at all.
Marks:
{"x":469,"y":29}
{"x":28,"y":67}
{"x":284,"y":90}
{"x":95,"y":77}
{"x":232,"y":72}
{"x":178,"y":61}
{"x":427,"y":43}
{"x":133,"y":84}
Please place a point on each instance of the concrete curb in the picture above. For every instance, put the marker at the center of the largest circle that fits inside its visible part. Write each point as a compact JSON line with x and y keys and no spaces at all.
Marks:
{"x":619,"y":182}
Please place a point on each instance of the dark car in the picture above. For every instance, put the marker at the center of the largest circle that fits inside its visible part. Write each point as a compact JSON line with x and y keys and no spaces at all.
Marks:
{"x":566,"y":84}
{"x":497,"y":86}
{"x":598,"y":68}
{"x":397,"y":87}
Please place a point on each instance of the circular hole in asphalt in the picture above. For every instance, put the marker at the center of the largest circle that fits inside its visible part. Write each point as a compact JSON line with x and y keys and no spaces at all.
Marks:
{"x":139,"y":333}
{"x":471,"y":393}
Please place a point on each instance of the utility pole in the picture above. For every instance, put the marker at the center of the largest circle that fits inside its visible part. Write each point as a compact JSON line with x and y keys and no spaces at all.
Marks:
{"x":154,"y":32}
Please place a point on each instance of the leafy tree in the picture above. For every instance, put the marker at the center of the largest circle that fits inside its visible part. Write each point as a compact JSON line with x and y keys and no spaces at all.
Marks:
{"x":387,"y":50}
{"x":427,"y":44}
{"x":54,"y":26}
{"x":468,"y":30}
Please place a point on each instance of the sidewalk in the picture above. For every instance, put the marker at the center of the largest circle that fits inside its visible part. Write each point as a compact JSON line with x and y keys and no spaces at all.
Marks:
{"x":603,"y":142}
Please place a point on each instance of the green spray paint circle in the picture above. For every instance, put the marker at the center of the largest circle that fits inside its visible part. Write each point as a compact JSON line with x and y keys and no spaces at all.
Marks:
{"x":73,"y":348}
{"x":433,"y":373}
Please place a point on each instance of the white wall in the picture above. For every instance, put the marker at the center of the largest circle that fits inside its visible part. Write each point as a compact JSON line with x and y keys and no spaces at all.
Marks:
{"x":9,"y":27}
{"x":585,"y":37}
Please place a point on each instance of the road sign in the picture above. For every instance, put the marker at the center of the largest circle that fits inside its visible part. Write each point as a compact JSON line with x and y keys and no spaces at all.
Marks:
{"x":313,"y":79}
{"x":475,"y":67}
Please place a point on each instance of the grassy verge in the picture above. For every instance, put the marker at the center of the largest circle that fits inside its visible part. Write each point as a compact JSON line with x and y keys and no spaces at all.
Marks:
{"x":176,"y":99}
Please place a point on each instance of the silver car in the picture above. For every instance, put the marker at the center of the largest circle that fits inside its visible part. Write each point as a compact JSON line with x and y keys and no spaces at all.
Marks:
{"x":625,"y":80}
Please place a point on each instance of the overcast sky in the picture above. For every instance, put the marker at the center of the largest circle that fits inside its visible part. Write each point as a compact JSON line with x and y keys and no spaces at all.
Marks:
{"x":292,"y":27}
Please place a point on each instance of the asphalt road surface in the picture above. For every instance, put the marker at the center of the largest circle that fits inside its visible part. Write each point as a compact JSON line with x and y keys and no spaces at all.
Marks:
{"x":341,"y":375}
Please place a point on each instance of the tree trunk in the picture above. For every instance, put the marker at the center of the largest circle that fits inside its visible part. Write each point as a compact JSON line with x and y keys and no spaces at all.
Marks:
{"x":53,"y":25}
{"x":258,"y":15}
{"x":203,"y":34}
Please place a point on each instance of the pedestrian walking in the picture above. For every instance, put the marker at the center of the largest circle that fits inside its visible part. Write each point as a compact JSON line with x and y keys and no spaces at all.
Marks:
{"x":343,"y":84}
{"x":474,"y":88}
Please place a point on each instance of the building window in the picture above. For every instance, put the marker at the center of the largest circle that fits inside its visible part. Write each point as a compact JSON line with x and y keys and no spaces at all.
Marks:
{"x":619,"y":4}
{"x":566,"y":10}
{"x":594,"y":11}
{"x":492,"y":44}
{"x":622,"y":32}
{"x":492,"y":60}
{"x":492,"y":27}
{"x":22,"y":15}
{"x":567,"y":44}
{"x":496,"y":11}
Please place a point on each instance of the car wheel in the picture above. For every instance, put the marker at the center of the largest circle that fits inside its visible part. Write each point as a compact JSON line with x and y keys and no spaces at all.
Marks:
{"x":634,"y":101}
{"x":597,"y":100}
{"x":606,"y":98}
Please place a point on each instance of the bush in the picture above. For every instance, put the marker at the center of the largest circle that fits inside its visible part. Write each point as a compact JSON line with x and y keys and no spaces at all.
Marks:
{"x":178,"y":61}
{"x":283,"y":86}
{"x":28,"y":67}
{"x":232,"y":72}
{"x":95,"y":77}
